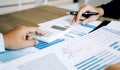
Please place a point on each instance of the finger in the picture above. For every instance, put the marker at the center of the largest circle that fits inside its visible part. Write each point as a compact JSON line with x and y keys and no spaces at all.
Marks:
{"x":28,"y":43}
{"x":39,"y":31}
{"x":73,"y":21}
{"x":82,"y":18}
{"x":36,"y":30}
{"x":79,"y":16}
{"x":30,"y":33}
{"x":30,"y":37}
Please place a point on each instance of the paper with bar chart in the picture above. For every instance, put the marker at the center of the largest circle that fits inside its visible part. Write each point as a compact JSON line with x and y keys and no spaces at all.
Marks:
{"x":94,"y":51}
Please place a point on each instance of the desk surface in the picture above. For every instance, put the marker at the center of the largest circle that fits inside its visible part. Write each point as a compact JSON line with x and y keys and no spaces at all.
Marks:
{"x":30,"y":17}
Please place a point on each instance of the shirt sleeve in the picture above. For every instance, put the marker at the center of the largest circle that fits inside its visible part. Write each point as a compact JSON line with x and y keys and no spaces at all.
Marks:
{"x":111,"y":9}
{"x":2,"y":45}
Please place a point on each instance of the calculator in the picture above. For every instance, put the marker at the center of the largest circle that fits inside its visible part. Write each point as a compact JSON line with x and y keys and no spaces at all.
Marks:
{"x":53,"y":32}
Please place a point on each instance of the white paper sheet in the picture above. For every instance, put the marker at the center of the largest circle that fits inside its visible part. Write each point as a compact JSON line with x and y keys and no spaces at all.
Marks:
{"x":78,"y":29}
{"x":41,"y":60}
{"x":92,"y":52}
{"x":114,"y":25}
{"x":10,"y":55}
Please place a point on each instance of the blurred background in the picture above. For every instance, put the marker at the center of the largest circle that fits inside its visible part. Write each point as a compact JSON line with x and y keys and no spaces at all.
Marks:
{"x":9,"y":6}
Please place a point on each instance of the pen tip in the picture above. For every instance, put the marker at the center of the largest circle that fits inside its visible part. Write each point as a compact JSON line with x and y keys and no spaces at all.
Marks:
{"x":68,"y":13}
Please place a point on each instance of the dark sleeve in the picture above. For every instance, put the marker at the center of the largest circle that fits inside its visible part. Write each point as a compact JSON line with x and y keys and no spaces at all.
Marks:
{"x":112,"y":9}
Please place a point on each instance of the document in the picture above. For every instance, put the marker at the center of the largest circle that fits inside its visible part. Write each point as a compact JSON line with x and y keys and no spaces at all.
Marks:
{"x":10,"y":55}
{"x":42,"y":60}
{"x":94,"y":51}
{"x":77,"y":31}
{"x":115,"y":25}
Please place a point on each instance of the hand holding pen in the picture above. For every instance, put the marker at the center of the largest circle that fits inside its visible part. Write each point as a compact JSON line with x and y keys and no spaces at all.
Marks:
{"x":86,"y":14}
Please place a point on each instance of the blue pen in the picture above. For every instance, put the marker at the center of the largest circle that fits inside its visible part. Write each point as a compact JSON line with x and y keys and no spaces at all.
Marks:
{"x":85,"y":14}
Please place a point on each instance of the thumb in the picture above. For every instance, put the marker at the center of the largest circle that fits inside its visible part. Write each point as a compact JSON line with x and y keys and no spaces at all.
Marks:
{"x":28,"y":43}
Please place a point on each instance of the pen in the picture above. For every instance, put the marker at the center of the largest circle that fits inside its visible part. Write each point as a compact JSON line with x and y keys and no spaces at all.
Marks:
{"x":85,"y":14}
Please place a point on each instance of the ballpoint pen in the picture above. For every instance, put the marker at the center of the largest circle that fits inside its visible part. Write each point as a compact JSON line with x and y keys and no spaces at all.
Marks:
{"x":85,"y":14}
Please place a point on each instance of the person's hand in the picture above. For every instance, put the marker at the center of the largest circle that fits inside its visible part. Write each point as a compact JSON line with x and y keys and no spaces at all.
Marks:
{"x":89,"y":8}
{"x":113,"y":67}
{"x":21,"y":37}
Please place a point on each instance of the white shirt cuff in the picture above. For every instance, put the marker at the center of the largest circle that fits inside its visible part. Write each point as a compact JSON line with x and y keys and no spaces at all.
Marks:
{"x":2,"y":45}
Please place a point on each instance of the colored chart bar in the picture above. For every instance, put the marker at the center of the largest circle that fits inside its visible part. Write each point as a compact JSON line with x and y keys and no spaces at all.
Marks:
{"x":98,"y":61}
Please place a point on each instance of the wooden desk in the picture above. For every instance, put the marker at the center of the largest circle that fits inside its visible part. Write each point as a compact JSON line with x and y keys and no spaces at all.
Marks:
{"x":30,"y":17}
